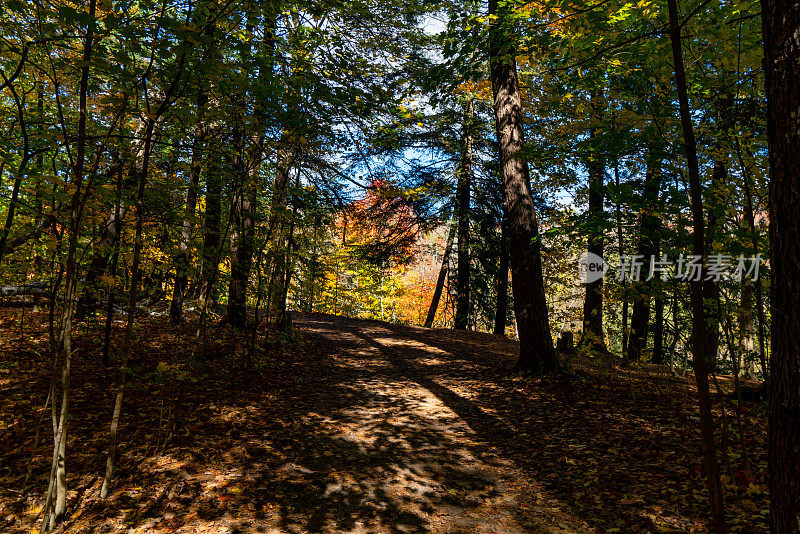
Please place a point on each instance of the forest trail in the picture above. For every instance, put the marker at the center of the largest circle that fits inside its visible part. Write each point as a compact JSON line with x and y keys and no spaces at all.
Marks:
{"x":412,"y":453}
{"x":364,"y":426}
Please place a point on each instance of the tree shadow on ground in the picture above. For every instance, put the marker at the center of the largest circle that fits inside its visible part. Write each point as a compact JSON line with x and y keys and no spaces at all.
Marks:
{"x":337,"y":438}
{"x":622,"y":453}
{"x":370,"y":427}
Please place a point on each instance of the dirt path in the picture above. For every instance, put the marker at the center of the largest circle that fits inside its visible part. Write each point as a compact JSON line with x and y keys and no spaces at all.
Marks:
{"x":411,"y":454}
{"x":364,"y":426}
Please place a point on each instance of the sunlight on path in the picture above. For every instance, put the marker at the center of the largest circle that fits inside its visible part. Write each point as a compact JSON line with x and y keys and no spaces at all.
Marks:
{"x":410,"y":457}
{"x":385,"y":436}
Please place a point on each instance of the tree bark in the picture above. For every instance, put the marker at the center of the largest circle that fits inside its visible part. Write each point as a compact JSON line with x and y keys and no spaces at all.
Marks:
{"x":241,"y":251}
{"x":592,"y":335}
{"x":537,"y":353}
{"x":112,"y":294}
{"x":745,"y":320}
{"x":212,"y":228}
{"x":58,"y":492}
{"x":749,"y":216}
{"x":135,"y":277}
{"x":284,"y":319}
{"x":277,"y":227}
{"x":621,"y":251}
{"x":501,"y":309}
{"x":711,"y":290}
{"x":658,"y":331}
{"x":698,"y":310}
{"x":110,"y":231}
{"x":183,"y":257}
{"x":314,"y":258}
{"x":246,"y":202}
{"x":138,"y":244}
{"x":463,"y":205}
{"x":109,"y":234}
{"x":647,"y":246}
{"x":781,"y":25}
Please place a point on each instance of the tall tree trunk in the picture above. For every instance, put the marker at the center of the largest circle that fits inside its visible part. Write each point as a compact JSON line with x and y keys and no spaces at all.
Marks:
{"x":57,"y":494}
{"x":138,"y":244}
{"x":781,"y":24}
{"x":42,"y":145}
{"x":114,"y":264}
{"x":109,"y":234}
{"x":109,"y":231}
{"x":592,"y":336}
{"x":530,"y":305}
{"x":647,"y":246}
{"x":41,"y":148}
{"x":241,"y":251}
{"x":183,"y":257}
{"x":698,"y":309}
{"x":128,"y":341}
{"x":745,"y":319}
{"x":463,"y":205}
{"x":284,"y":321}
{"x":245,"y":206}
{"x":501,"y":308}
{"x":437,"y":293}
{"x":711,"y":290}
{"x":12,"y":205}
{"x":749,"y":216}
{"x":277,"y":224}
{"x":621,"y":252}
{"x":675,"y":329}
{"x":313,"y":261}
{"x":212,"y":227}
{"x":658,"y":331}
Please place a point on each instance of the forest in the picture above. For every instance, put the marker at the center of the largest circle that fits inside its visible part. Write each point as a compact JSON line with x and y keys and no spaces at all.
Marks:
{"x":399,"y":266}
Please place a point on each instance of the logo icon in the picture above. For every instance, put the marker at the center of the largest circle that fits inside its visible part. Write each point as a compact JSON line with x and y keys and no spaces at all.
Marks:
{"x":591,"y":268}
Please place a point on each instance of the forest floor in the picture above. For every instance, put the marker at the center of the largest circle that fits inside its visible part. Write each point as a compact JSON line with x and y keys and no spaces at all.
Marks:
{"x":364,"y":426}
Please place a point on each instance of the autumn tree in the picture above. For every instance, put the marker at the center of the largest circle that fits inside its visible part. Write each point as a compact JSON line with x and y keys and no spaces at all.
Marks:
{"x":530,"y":307}
{"x":781,"y":23}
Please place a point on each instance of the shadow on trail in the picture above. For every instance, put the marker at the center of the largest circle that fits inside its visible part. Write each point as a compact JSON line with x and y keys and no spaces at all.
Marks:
{"x":377,"y":428}
{"x":391,"y":456}
{"x":615,"y":454}
{"x":371,"y":427}
{"x":402,"y":355}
